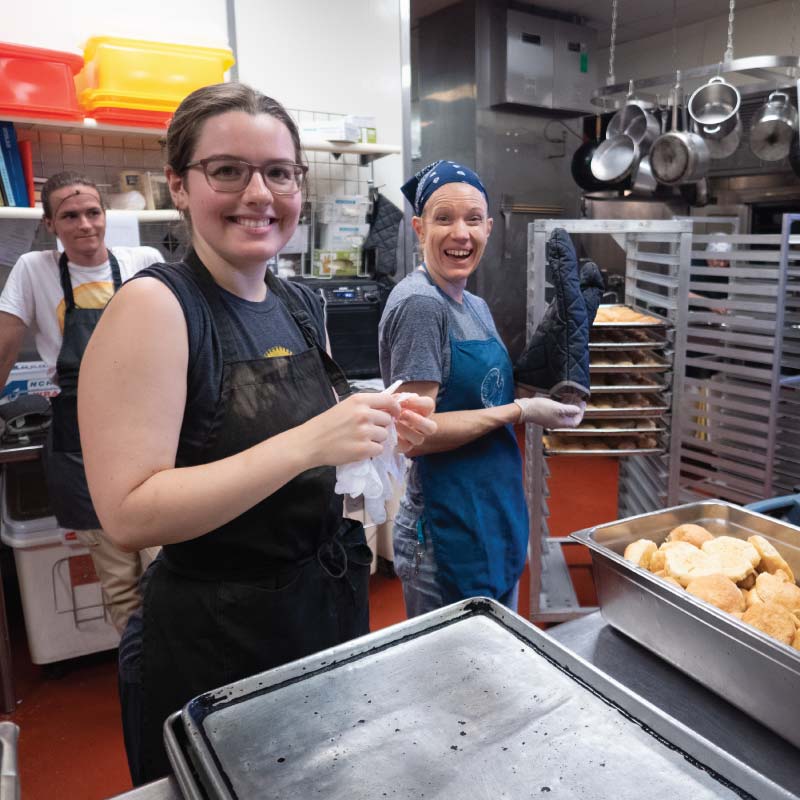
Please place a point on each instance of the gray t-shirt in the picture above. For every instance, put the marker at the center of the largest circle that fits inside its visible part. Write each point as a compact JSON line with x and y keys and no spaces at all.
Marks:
{"x":414,"y":345}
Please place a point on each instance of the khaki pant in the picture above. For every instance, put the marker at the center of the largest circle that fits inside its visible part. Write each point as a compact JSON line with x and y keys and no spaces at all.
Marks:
{"x":119,"y":574}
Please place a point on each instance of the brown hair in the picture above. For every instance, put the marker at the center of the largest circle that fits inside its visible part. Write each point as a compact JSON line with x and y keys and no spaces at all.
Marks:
{"x":209,"y":101}
{"x":59,"y":181}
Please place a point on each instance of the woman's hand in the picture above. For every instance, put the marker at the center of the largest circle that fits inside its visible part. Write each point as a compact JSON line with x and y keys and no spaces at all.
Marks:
{"x":549,"y":413}
{"x":414,"y":424}
{"x":352,"y":430}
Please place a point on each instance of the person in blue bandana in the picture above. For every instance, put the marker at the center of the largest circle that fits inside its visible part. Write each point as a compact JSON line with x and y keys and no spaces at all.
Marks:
{"x":462,"y":526}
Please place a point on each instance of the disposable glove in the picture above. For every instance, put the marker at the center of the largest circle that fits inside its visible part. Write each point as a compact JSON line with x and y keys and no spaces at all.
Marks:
{"x":549,"y":413}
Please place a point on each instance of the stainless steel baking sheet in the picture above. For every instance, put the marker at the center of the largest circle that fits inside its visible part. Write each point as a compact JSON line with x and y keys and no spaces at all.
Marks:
{"x":628,"y":388}
{"x":175,"y":745}
{"x":656,"y":323}
{"x":636,"y":411}
{"x":610,"y":452}
{"x":627,"y":345}
{"x":469,"y":701}
{"x":661,"y":365}
{"x":607,"y":431}
{"x":751,"y":670}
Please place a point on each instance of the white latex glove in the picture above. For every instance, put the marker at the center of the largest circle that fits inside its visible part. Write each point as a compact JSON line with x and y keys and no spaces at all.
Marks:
{"x":548,"y":413}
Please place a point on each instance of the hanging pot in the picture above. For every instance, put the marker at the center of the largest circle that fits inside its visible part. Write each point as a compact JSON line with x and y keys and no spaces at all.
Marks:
{"x":727,"y":146}
{"x":715,"y":108}
{"x":794,"y":155}
{"x":771,"y":133}
{"x":581,"y":165}
{"x":636,"y":121}
{"x":615,"y":159}
{"x":679,"y":156}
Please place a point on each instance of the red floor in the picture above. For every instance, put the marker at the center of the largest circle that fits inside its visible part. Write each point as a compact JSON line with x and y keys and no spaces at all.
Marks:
{"x":70,"y":743}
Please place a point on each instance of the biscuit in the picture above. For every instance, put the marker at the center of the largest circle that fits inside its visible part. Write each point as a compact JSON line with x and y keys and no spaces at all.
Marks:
{"x":694,"y":534}
{"x":767,"y":585}
{"x":772,"y":619}
{"x":718,"y":590}
{"x":640,"y":552}
{"x":658,"y":561}
{"x":796,"y":641}
{"x":737,"y":557}
{"x":685,"y":562}
{"x":771,"y":559}
{"x":752,"y":598}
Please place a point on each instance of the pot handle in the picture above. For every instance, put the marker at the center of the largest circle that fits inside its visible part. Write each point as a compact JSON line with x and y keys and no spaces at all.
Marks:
{"x":779,"y":94}
{"x":717,"y":79}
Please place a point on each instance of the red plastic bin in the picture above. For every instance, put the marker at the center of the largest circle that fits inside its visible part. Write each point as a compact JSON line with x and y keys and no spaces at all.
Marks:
{"x":38,"y":83}
{"x":132,"y":117}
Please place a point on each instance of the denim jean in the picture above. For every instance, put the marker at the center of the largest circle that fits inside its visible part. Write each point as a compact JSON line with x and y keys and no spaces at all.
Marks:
{"x":421,"y":592}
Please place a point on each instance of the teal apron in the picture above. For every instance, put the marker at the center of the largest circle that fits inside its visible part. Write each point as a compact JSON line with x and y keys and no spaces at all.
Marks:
{"x":475,"y":511}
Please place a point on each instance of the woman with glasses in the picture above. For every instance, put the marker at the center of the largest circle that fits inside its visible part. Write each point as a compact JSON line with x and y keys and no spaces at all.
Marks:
{"x":210,"y":426}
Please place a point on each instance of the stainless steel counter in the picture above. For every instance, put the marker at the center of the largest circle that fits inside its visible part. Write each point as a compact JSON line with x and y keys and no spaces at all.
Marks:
{"x":684,"y":699}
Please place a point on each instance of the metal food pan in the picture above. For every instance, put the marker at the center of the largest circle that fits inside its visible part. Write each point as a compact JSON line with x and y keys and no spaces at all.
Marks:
{"x":468,"y":701}
{"x":623,"y":413}
{"x":177,"y":752}
{"x":749,"y":669}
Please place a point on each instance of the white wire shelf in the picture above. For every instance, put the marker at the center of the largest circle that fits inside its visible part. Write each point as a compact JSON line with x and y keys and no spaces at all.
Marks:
{"x":367,"y":152}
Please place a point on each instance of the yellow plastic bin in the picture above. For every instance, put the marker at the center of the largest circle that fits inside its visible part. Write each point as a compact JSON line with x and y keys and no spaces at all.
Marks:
{"x":137,"y":75}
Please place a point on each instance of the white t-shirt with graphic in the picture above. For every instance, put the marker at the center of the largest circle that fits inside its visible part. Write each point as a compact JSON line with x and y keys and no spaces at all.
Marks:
{"x":33,"y":292}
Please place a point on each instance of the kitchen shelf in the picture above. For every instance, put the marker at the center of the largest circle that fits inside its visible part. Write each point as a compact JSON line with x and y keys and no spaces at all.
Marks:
{"x":366,"y":152}
{"x":163,"y":215}
{"x":767,"y":73}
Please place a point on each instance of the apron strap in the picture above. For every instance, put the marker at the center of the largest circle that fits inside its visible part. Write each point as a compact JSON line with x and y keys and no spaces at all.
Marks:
{"x":303,"y":319}
{"x":66,"y":283}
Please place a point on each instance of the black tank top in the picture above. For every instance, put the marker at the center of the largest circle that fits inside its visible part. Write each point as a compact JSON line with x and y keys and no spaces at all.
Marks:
{"x":262,"y":329}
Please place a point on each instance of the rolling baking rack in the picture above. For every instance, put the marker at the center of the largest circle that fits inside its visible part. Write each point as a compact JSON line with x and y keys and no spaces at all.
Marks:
{"x":636,"y":372}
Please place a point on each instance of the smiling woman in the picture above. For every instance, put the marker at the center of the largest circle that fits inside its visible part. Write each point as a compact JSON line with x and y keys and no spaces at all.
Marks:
{"x":227,"y":457}
{"x":462,"y":527}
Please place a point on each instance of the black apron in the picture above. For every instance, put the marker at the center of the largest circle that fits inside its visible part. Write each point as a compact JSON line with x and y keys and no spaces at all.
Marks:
{"x":285,"y":579}
{"x":66,"y":478}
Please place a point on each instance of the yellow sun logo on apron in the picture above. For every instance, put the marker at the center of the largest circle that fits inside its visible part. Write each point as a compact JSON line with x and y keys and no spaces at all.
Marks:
{"x":88,"y":295}
{"x":277,"y":352}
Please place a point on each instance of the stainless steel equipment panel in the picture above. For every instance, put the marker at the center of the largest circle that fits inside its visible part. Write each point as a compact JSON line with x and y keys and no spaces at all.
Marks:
{"x":749,"y":669}
{"x":575,"y":72}
{"x":529,"y":60}
{"x":469,"y":701}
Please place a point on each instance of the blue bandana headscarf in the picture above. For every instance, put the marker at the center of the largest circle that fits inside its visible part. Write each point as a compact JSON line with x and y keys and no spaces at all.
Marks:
{"x":418,"y":189}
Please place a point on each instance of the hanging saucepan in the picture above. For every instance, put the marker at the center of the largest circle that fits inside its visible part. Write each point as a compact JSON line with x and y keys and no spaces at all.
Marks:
{"x":678,"y":156}
{"x":771,"y":133}
{"x":715,"y":108}
{"x":635,"y":121}
{"x":794,"y":155}
{"x":582,"y":162}
{"x":644,"y":182}
{"x":615,"y":159}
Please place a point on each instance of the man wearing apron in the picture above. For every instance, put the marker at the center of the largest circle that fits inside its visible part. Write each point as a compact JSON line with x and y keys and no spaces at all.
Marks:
{"x":60,"y":298}
{"x":462,"y":527}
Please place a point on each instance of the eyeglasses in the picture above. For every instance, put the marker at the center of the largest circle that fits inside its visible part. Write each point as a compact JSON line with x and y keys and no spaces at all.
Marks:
{"x":233,"y":175}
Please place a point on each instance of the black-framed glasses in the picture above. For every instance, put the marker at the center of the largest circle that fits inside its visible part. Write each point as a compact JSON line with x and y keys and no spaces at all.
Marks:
{"x":233,"y":175}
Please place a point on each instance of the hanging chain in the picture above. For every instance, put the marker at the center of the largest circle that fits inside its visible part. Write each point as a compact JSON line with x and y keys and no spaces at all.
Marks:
{"x":794,"y":26}
{"x":610,"y":80}
{"x":674,"y":35}
{"x":729,"y":49}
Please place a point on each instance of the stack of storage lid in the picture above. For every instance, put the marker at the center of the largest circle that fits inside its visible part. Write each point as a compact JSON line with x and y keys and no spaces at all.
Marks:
{"x":133,"y":82}
{"x":38,"y":83}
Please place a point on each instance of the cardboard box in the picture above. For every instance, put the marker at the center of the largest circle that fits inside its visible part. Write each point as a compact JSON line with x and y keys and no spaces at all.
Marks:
{"x":351,"y":209}
{"x":28,"y":377}
{"x":367,"y":132}
{"x":334,"y":130}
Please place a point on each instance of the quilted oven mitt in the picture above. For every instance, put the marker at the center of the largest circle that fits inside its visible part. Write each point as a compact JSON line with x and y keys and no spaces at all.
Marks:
{"x":556,"y":359}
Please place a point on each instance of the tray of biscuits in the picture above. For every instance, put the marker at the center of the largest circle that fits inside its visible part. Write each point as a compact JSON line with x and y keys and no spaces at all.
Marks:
{"x":626,"y":383}
{"x":625,"y":405}
{"x":608,"y":338}
{"x":711,"y":588}
{"x":626,"y":361}
{"x":626,"y":443}
{"x":625,"y":316}
{"x":613,"y":427}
